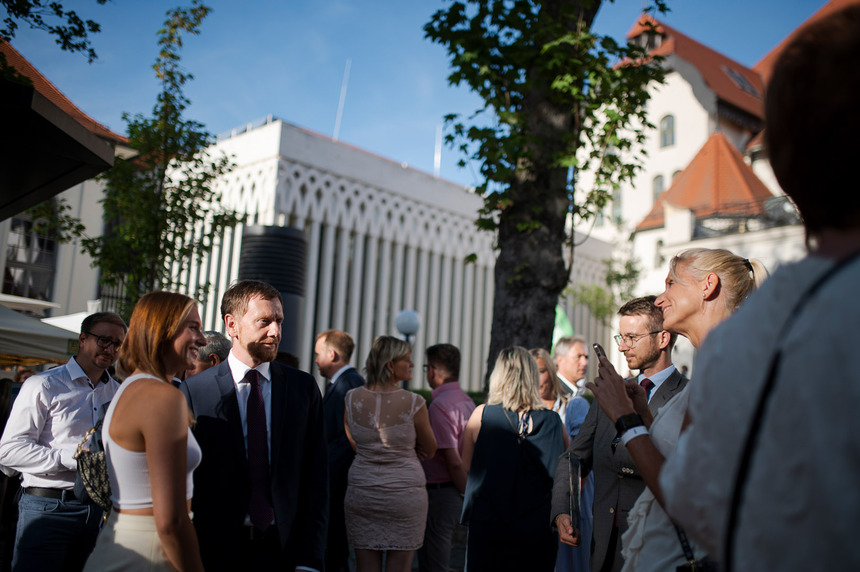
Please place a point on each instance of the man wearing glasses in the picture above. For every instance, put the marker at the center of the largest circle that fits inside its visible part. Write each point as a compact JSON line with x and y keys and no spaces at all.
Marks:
{"x":49,"y":419}
{"x":647,"y":347}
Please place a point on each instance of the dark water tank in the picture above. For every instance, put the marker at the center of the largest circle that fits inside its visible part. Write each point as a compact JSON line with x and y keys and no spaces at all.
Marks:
{"x":276,"y":254}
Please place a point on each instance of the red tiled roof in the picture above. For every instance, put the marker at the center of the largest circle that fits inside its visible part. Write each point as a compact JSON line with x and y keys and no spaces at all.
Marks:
{"x":717,"y":181}
{"x":55,"y":96}
{"x":765,"y":65}
{"x":711,"y":65}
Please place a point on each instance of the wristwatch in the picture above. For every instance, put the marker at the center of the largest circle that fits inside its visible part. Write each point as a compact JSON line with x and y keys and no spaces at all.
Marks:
{"x":628,"y":421}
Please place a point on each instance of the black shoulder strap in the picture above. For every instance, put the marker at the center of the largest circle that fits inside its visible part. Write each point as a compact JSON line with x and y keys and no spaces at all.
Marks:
{"x":751,"y":440}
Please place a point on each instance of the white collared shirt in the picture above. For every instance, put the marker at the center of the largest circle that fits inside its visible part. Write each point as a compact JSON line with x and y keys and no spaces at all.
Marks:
{"x":238,"y":369}
{"x":573,"y":387}
{"x":243,"y":390}
{"x":48,"y":421}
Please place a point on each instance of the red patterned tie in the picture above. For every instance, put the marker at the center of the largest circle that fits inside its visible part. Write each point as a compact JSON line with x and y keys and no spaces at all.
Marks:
{"x":648,"y":385}
{"x":260,"y":509}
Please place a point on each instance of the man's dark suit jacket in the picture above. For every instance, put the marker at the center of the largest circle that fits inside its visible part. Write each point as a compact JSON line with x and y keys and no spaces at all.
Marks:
{"x":340,"y":453}
{"x":298,"y":466}
{"x":340,"y":456}
{"x":617,"y":483}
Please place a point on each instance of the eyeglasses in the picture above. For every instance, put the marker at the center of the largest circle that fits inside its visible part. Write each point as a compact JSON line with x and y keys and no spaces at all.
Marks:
{"x":105,"y":342}
{"x":427,"y":366}
{"x":631,"y":340}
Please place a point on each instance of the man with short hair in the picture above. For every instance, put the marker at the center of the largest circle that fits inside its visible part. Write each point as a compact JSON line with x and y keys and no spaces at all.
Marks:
{"x":213,"y":353}
{"x":261,"y":491}
{"x":449,"y":411}
{"x":51,"y":415}
{"x":647,"y":347}
{"x":333,"y":350}
{"x":571,"y":358}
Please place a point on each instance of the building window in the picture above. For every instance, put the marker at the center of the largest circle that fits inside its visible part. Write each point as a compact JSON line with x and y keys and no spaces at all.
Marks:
{"x":616,"y":206}
{"x":30,"y":260}
{"x":659,"y":186}
{"x":659,"y":259}
{"x":667,"y":131}
{"x":675,"y":175}
{"x":742,"y":82}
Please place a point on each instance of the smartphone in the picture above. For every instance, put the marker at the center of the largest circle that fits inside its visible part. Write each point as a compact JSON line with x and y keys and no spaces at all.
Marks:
{"x":598,"y":349}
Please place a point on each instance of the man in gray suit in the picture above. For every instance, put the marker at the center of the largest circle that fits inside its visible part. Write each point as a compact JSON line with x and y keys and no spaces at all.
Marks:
{"x":617,"y":484}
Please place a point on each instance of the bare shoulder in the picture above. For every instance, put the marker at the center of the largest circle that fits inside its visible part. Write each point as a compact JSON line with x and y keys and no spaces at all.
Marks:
{"x":475,"y":418}
{"x":153,"y":399}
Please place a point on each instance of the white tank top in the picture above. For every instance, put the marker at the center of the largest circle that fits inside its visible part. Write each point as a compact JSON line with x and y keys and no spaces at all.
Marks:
{"x":127,"y":470}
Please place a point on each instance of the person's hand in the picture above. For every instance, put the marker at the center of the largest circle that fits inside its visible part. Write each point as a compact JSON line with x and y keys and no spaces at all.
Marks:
{"x":638,"y":396}
{"x":422,"y":454}
{"x":610,"y":390}
{"x":566,"y":532}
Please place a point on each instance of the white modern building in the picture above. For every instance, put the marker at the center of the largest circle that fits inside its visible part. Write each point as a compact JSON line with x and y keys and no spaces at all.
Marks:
{"x":380,"y":238}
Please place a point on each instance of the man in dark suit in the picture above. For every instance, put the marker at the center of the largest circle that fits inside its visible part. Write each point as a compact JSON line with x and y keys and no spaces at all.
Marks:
{"x":333,"y":351}
{"x":617,"y":484}
{"x":261,"y":492}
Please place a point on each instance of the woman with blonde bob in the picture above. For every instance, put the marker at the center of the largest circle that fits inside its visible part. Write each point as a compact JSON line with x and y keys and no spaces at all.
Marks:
{"x":551,"y":390}
{"x":150,"y":451}
{"x":703,"y":288}
{"x":386,"y":498}
{"x":510,"y":448}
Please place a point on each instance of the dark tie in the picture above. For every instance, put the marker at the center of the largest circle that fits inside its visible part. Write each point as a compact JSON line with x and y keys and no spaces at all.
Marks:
{"x":260,"y":508}
{"x":647,"y":385}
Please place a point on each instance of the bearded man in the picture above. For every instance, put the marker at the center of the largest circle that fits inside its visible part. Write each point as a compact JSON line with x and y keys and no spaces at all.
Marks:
{"x":260,"y":497}
{"x":647,"y":347}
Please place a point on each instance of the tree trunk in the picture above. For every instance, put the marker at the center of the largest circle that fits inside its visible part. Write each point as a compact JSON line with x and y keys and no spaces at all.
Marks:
{"x":530,"y":271}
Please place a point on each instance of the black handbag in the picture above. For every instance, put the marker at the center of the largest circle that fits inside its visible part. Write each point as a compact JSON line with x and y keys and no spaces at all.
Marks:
{"x":692,"y":564}
{"x":92,"y":483}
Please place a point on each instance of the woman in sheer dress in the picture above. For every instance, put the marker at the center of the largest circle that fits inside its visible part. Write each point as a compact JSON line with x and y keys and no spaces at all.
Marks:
{"x":389,"y":427}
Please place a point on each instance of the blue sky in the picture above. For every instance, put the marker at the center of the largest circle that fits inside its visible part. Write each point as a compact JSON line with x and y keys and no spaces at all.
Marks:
{"x":287,"y":58}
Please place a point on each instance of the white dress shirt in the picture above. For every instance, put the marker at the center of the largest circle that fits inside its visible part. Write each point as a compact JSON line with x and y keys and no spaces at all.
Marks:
{"x":48,"y":421}
{"x":238,"y":369}
{"x":243,"y":390}
{"x":573,"y":387}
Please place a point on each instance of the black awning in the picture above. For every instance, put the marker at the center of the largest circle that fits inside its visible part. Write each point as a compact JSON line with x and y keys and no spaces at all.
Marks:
{"x":44,"y":151}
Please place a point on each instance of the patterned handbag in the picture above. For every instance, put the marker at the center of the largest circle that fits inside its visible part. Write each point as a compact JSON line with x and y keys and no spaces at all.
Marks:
{"x":92,"y":469}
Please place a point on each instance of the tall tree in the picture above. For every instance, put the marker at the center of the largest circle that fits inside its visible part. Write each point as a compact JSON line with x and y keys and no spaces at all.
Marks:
{"x":558,"y":100}
{"x":160,"y":207}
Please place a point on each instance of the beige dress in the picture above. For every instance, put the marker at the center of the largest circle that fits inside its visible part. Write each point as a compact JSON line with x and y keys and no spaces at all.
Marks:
{"x":386,"y":498}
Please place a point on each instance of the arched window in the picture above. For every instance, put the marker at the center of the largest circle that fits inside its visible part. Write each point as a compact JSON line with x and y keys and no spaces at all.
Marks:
{"x":667,"y":131}
{"x":675,"y":175}
{"x":659,"y":186}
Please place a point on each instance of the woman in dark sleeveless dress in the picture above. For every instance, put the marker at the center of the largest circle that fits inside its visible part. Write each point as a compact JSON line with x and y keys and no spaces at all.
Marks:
{"x":510,"y":449}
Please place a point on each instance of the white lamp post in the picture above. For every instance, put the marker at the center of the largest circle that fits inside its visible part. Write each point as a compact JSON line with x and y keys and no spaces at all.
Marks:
{"x":407,"y":323}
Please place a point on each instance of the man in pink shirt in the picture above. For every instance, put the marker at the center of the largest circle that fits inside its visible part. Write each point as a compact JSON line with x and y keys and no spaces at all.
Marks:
{"x":450,"y":409}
